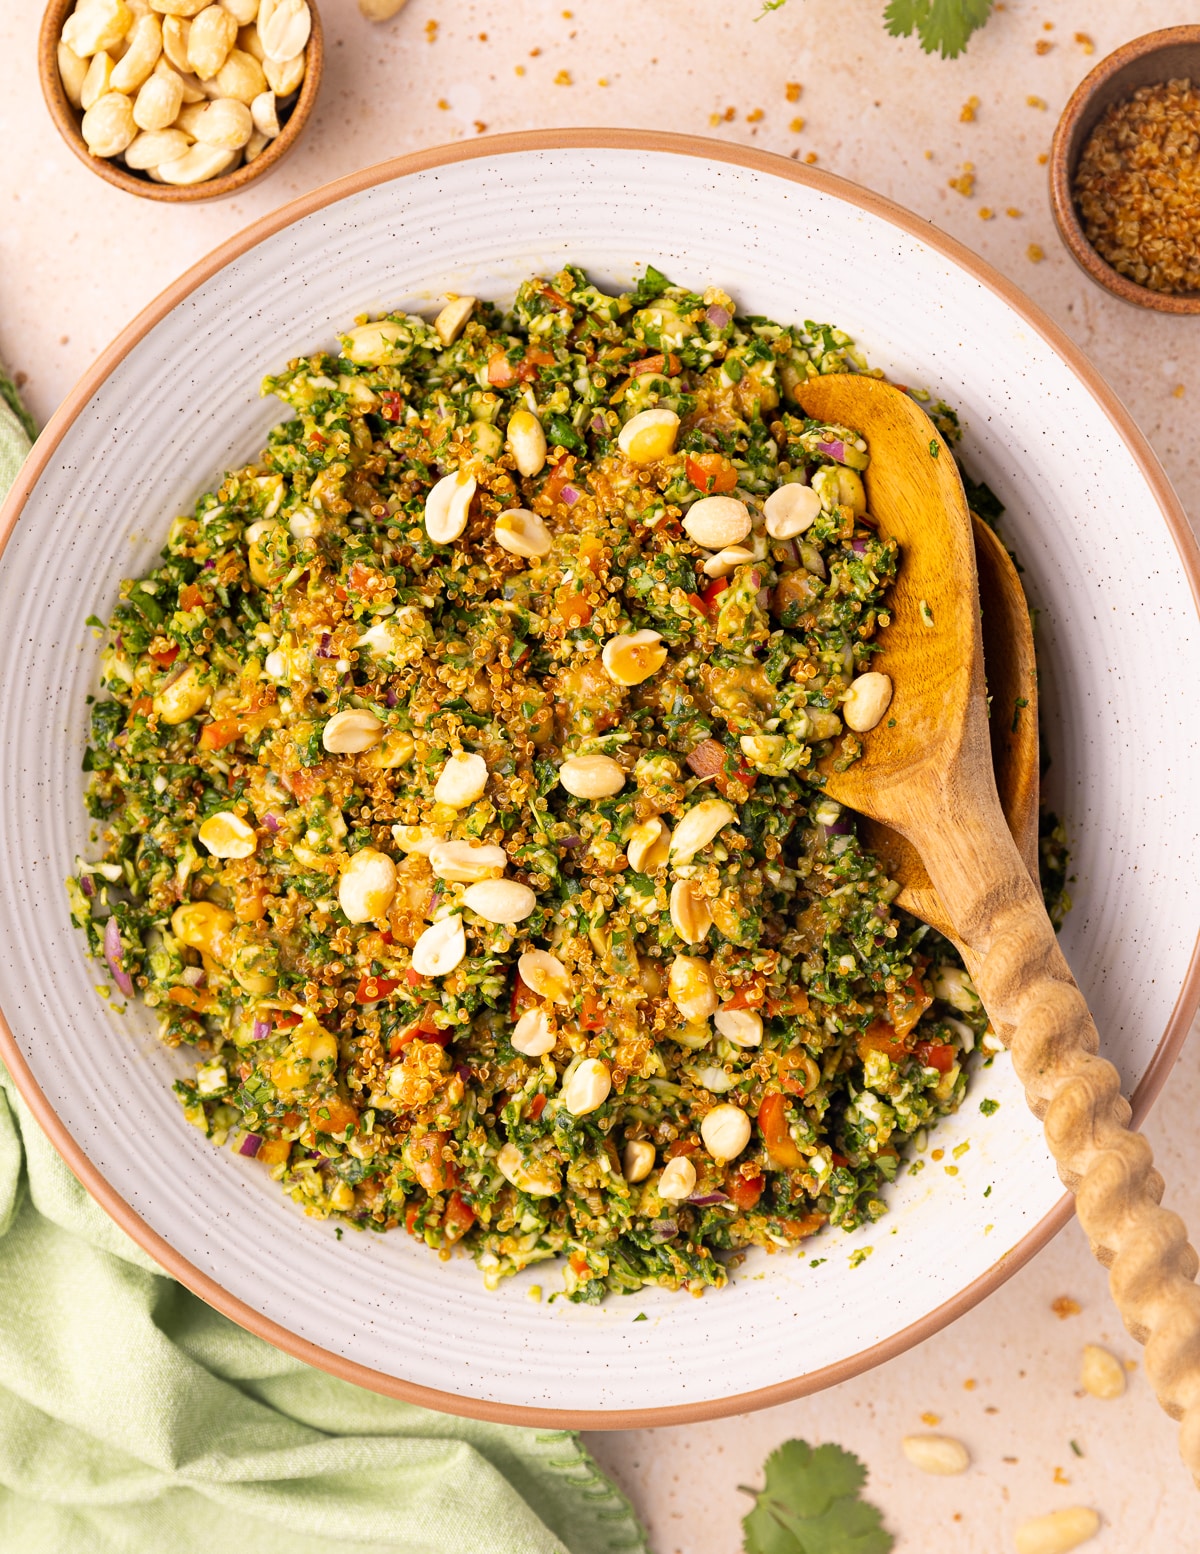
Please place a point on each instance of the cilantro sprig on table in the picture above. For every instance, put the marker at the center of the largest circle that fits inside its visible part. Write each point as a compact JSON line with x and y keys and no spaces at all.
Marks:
{"x":942,"y":26}
{"x":810,"y":1504}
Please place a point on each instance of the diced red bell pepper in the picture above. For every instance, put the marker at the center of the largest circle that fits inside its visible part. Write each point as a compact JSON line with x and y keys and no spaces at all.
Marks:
{"x":458,"y":1218}
{"x":879,"y":1036}
{"x":371,"y":989}
{"x":773,"y":1125}
{"x":936,"y":1054}
{"x":745,"y":1191}
{"x":591,"y":1015}
{"x":714,"y":590}
{"x":333,"y":1115}
{"x":536,"y":1107}
{"x":711,"y":473}
{"x":907,"y":1004}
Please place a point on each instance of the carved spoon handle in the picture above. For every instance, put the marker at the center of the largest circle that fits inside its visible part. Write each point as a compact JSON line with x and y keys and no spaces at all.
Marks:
{"x":1032,"y":1000}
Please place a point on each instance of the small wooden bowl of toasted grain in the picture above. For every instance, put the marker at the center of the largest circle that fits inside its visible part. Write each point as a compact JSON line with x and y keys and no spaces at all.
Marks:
{"x":294,"y":116}
{"x":1158,"y":57}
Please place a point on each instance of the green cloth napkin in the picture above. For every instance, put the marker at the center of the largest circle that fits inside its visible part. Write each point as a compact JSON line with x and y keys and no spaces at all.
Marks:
{"x":134,"y":1419}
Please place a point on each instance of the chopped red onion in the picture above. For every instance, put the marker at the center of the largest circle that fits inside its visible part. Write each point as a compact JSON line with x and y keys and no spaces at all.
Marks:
{"x":598,"y":422}
{"x":391,"y":698}
{"x":271,"y":822}
{"x":858,"y":545}
{"x":323,"y":650}
{"x":833,"y":450}
{"x":250,"y":1145}
{"x":707,"y":1199}
{"x":262,"y":1029}
{"x":210,"y":566}
{"x":717,"y":316}
{"x":87,"y":884}
{"x":570,"y":496}
{"x":113,"y":955}
{"x":571,"y":842}
{"x":664,"y":1230}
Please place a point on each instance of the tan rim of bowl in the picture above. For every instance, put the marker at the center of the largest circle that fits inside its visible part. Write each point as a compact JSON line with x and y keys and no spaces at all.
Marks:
{"x":1147,"y":61}
{"x":67,"y":120}
{"x":769,"y":166}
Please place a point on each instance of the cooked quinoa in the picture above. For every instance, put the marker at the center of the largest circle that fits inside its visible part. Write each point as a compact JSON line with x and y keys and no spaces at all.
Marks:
{"x":455,"y":780}
{"x":1138,"y":187}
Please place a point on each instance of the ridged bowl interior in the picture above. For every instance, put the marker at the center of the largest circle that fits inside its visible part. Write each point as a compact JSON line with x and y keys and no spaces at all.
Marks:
{"x":1090,"y":518}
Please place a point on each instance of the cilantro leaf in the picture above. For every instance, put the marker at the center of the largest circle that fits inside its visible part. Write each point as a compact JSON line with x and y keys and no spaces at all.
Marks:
{"x":810,"y":1504}
{"x":943,"y":26}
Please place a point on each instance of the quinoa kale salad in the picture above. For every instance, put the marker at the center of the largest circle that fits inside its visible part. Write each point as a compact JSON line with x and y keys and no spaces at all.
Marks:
{"x":455,"y":785}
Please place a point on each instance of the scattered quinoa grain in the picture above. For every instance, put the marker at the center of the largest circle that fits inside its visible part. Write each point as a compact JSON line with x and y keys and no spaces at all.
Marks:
{"x":1137,"y":187}
{"x":796,"y":126}
{"x":1042,"y":46}
{"x":1065,"y":1307}
{"x":1035,"y":102}
{"x":563,"y":78}
{"x":443,"y":104}
{"x":1178,"y":391}
{"x":1043,"y":158}
{"x":1012,"y":211}
{"x":969,"y":109}
{"x":792,"y":91}
{"x":1085,"y":43}
{"x":932,"y":1420}
{"x":811,"y":157}
{"x":431,"y":30}
{"x":970,"y":1384}
{"x":1035,"y":253}
{"x":964,"y":184}
{"x":986,"y":213}
{"x":754,"y":116}
{"x":1060,"y":1477}
{"x":520,"y":70}
{"x":603,"y":81}
{"x":480,"y":127}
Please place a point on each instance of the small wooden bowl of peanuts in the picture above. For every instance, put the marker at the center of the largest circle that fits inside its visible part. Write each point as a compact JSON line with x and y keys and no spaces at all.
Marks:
{"x":180,"y":99}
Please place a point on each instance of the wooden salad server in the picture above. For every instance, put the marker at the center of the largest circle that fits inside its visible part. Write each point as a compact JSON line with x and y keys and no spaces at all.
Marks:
{"x":926,"y":772}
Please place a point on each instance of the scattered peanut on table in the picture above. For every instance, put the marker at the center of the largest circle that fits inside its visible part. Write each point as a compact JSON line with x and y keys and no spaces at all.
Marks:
{"x":1058,"y":1532}
{"x":1102,"y":1374}
{"x":182,"y":90}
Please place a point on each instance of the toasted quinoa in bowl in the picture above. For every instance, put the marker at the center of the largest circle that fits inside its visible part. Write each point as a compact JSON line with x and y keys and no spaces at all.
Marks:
{"x":455,"y":776}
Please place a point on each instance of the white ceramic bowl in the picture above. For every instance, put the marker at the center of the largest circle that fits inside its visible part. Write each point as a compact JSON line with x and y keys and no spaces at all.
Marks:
{"x":1109,"y":563}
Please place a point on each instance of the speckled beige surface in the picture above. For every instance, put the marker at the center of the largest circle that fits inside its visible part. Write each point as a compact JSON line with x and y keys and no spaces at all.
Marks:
{"x":77,"y":260}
